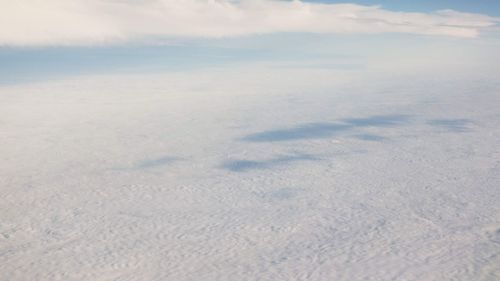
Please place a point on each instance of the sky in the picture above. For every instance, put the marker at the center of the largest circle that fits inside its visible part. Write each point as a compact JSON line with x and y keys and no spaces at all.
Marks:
{"x":53,"y":39}
{"x":488,"y":7}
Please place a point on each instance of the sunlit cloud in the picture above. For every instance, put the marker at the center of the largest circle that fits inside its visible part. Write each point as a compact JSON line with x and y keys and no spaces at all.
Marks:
{"x":96,"y":22}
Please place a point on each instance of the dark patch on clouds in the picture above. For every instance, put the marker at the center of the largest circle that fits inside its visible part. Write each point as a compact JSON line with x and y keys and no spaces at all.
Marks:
{"x":453,"y":125}
{"x":326,"y":130}
{"x":152,"y":163}
{"x":246,"y":165}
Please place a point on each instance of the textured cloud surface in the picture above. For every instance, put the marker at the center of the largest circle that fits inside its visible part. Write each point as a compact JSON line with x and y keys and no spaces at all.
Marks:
{"x":89,"y":22}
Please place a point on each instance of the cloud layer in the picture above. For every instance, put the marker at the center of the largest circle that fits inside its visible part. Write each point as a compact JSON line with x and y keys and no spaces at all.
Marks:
{"x":90,"y":22}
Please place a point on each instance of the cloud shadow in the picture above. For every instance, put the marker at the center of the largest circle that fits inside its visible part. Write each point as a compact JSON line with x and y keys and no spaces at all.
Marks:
{"x":246,"y":165}
{"x":378,"y":121}
{"x":326,"y":130}
{"x":158,"y":162}
{"x":369,"y":137}
{"x":305,"y":131}
{"x":452,"y":125}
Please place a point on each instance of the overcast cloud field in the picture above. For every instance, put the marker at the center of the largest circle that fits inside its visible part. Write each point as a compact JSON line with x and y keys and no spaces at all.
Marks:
{"x":364,"y":156}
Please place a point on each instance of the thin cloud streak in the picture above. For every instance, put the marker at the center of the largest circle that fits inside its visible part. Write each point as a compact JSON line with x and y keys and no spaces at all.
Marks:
{"x":97,"y":22}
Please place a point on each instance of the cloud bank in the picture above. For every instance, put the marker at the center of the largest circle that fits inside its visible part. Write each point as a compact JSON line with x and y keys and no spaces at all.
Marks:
{"x":91,"y":22}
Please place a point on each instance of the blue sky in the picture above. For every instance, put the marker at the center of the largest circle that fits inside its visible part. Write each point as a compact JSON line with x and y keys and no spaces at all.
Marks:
{"x":489,"y":7}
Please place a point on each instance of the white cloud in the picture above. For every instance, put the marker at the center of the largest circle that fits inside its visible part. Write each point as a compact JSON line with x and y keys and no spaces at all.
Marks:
{"x":89,"y":22}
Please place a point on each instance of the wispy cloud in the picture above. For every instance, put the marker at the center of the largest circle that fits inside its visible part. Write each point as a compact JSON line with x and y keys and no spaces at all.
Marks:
{"x":90,"y":22}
